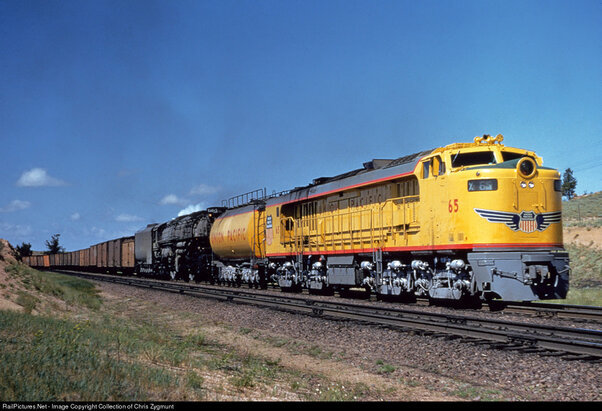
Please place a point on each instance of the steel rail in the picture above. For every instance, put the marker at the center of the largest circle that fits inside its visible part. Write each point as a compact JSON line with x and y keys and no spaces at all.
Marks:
{"x":542,"y":310}
{"x":553,"y":310}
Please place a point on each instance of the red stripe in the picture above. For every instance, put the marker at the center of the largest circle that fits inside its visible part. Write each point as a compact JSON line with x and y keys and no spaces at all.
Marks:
{"x":427,"y":248}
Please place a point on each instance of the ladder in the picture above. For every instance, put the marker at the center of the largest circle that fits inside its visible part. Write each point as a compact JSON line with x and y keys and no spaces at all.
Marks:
{"x":258,"y":231}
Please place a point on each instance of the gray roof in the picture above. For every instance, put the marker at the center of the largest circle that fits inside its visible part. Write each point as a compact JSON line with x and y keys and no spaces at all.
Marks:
{"x":372,"y":172}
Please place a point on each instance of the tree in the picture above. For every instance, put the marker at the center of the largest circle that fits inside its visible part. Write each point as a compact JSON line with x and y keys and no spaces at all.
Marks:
{"x":568,"y":184}
{"x":23,"y":250}
{"x":53,"y":245}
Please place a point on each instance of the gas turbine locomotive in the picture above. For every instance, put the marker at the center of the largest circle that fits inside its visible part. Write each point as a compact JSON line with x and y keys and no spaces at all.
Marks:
{"x":469,"y":220}
{"x":466,"y":220}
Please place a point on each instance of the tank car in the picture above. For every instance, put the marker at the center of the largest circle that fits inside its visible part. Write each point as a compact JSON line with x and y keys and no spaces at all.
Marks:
{"x":238,"y":235}
{"x":177,"y":249}
{"x":468,"y":220}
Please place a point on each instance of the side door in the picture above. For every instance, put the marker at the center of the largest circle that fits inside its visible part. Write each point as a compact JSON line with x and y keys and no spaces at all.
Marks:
{"x":434,"y":197}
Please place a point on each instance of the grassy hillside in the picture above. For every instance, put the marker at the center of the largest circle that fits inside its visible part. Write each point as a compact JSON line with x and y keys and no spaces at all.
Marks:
{"x":584,"y":211}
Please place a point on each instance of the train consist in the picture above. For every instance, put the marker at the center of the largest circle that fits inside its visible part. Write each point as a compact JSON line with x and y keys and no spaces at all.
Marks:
{"x":466,"y":221}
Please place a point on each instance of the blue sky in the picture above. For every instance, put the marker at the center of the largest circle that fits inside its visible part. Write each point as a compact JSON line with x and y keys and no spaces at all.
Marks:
{"x":116,"y":114}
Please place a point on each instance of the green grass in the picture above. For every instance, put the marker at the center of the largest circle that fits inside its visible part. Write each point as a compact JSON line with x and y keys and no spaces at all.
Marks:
{"x":582,"y":296}
{"x":111,"y":359}
{"x":586,"y":266}
{"x":585,"y":283}
{"x":45,"y":358}
{"x":384,"y":368}
{"x":479,"y":394}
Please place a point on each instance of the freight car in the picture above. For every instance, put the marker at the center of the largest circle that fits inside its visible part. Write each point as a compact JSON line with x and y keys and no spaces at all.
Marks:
{"x":460,"y":222}
{"x":112,"y":257}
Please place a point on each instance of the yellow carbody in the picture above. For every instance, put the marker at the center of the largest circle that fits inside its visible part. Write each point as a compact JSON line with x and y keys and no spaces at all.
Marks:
{"x":412,"y":212}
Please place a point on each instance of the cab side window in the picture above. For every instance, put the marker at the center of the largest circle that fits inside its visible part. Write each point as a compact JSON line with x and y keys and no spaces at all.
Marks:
{"x":438,"y":166}
{"x":426,"y":167}
{"x":433,"y":167}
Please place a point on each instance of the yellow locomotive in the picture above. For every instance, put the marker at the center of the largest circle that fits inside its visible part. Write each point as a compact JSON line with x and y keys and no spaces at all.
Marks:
{"x":466,"y":220}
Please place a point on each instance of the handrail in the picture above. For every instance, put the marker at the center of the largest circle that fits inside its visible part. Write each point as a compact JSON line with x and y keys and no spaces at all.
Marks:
{"x":373,"y":231}
{"x":244,"y":199}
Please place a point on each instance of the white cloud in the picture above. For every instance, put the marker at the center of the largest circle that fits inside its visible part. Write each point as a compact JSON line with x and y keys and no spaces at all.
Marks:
{"x":15,"y":205}
{"x":192,"y":208}
{"x":203,"y":189}
{"x":38,"y":177}
{"x":75,"y":216}
{"x":173,"y":199}
{"x":14,"y":230}
{"x":127,"y":218}
{"x":99,"y":232}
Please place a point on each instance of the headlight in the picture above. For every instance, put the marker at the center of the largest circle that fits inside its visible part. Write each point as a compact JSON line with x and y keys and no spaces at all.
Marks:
{"x":526,"y":167}
{"x":482,"y":185}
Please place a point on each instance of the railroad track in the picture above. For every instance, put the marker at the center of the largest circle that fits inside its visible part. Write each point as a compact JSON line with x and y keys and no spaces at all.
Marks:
{"x":569,"y":342}
{"x":573,"y":313}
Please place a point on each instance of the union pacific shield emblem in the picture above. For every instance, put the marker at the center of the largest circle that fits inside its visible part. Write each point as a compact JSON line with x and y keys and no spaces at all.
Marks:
{"x":527,"y":221}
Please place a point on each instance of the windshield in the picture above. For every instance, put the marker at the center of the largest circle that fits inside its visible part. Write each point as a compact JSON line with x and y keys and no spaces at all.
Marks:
{"x":473,"y":159}
{"x":507,"y":156}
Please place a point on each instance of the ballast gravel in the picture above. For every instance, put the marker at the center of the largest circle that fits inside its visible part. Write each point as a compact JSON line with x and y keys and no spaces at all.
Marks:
{"x":416,"y":359}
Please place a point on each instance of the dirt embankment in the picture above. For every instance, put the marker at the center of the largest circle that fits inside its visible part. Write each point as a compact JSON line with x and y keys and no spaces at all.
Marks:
{"x":19,"y":290}
{"x":585,"y":236}
{"x":7,"y":285}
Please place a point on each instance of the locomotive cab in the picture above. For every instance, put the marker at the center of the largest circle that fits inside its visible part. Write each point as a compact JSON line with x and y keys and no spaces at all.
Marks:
{"x":503,"y":208}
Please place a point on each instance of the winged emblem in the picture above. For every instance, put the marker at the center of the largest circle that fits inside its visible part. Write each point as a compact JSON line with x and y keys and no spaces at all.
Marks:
{"x":527,"y":221}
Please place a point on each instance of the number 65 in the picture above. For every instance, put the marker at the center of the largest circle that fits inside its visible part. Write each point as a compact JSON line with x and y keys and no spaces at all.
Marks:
{"x":453,"y":208}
